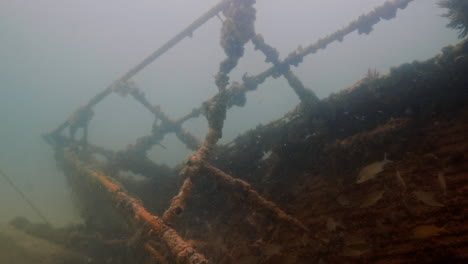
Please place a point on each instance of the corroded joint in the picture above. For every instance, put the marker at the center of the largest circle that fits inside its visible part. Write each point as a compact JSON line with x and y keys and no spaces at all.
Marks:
{"x":137,"y":94}
{"x":80,"y":119}
{"x":236,"y":95}
{"x":250,"y":82}
{"x":81,"y":116}
{"x":168,"y":125}
{"x":123,"y":88}
{"x":178,"y":203}
{"x":221,"y":79}
{"x":293,"y":58}
{"x":215,"y":108}
{"x":238,"y":27}
{"x":271,"y":54}
{"x":192,"y":160}
{"x":280,"y":69}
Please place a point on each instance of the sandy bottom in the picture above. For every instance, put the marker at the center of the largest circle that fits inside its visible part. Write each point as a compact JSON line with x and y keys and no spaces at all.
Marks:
{"x":20,"y":248}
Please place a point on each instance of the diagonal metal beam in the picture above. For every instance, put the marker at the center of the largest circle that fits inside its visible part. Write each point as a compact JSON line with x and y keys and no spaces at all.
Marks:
{"x":187,"y":32}
{"x":133,"y":210}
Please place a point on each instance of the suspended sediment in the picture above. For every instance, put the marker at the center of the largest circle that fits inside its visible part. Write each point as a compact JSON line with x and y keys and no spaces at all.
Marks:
{"x":303,"y":202}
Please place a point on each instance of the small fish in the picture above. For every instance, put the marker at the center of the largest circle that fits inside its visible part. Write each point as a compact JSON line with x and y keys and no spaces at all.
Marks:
{"x":371,"y":170}
{"x":352,"y":252}
{"x":427,"y":198}
{"x":354,"y":245}
{"x":271,"y":250}
{"x":442,"y":182}
{"x":343,"y":200}
{"x":372,"y":199}
{"x":266,"y":155}
{"x":321,"y":261}
{"x":354,"y":240}
{"x":426,"y":231}
{"x":400,"y":180}
{"x":460,"y":58}
{"x":356,"y":249}
{"x":332,"y":224}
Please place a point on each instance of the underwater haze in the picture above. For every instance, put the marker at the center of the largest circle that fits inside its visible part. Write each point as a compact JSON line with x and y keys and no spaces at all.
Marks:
{"x":56,"y":54}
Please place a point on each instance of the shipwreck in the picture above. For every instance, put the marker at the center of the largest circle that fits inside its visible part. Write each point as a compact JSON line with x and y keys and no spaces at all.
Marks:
{"x":377,"y":173}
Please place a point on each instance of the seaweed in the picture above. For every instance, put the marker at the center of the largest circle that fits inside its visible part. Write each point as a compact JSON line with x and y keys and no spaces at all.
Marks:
{"x":458,"y":15}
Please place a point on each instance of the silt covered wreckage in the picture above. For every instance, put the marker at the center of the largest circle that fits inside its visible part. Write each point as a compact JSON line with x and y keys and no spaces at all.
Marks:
{"x":377,"y":173}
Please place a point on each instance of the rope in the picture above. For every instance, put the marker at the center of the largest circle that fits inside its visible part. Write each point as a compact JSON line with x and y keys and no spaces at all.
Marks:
{"x":25,"y":198}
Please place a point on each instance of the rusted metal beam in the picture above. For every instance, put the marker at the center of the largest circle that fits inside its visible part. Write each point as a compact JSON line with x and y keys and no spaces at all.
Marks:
{"x":167,"y":124}
{"x":178,"y":202}
{"x":362,"y":24}
{"x":244,"y":188}
{"x":231,"y":184}
{"x":134,"y":212}
{"x":187,"y":32}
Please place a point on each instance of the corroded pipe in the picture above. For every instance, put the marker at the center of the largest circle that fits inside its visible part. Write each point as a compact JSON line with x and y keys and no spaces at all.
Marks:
{"x":178,"y":202}
{"x":240,"y":186}
{"x":134,"y":212}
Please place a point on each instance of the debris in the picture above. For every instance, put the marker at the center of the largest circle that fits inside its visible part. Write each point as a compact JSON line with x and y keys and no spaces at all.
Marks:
{"x":370,"y":171}
{"x":427,"y":198}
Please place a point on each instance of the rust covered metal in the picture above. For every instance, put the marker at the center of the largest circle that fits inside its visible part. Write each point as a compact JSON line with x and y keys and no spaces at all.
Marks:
{"x":134,"y":212}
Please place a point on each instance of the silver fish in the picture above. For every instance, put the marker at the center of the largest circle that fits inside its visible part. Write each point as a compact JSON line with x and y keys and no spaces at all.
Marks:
{"x":332,"y":224}
{"x":427,"y":198}
{"x":372,"y":199}
{"x":371,"y":170}
{"x":400,"y":180}
{"x":343,"y":200}
{"x":442,"y":182}
{"x":427,"y":231}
